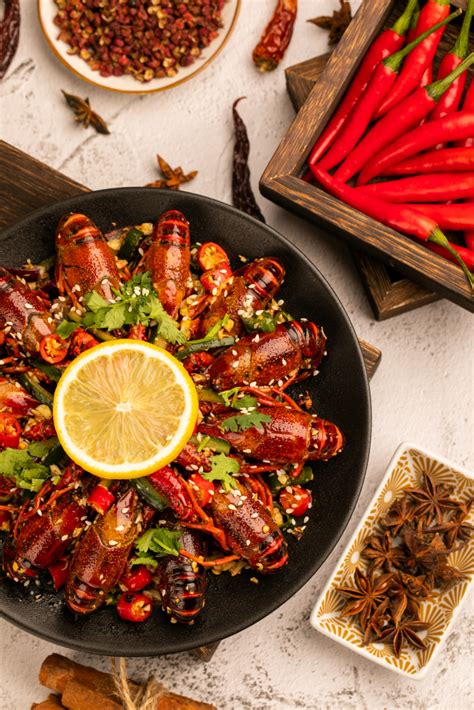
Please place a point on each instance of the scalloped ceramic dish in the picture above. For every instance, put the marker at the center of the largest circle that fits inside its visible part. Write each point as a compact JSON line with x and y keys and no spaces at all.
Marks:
{"x":47,"y":11}
{"x":405,"y":469}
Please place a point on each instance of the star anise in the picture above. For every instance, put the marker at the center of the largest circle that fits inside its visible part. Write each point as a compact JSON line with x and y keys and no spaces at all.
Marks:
{"x":382,"y":553}
{"x":431,"y":500}
{"x":399,"y":515}
{"x":406,"y":631}
{"x":424,"y":554}
{"x":406,"y":594}
{"x":457,"y":529}
{"x":84,"y":113}
{"x":366,"y":595}
{"x":337,"y":24}
{"x":376,"y":621}
{"x":172,"y":177}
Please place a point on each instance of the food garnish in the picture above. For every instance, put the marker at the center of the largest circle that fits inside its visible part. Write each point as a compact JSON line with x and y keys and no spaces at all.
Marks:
{"x":407,"y":562}
{"x":172,"y":177}
{"x":84,"y":114}
{"x":242,"y":193}
{"x":337,"y":23}
{"x":9,"y":34}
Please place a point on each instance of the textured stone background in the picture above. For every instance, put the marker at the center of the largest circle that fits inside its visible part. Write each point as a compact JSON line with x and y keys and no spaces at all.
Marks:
{"x":421,"y":393}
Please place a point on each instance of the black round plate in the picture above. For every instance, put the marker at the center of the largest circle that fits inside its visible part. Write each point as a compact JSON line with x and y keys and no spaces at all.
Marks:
{"x":340,"y":393}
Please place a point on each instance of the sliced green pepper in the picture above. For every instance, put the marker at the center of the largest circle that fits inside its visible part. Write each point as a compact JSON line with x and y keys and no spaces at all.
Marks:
{"x":220,"y":446}
{"x":150,"y":494}
{"x":35,"y":389}
{"x":263,"y":323}
{"x":130,"y":244}
{"x":208,"y":395}
{"x":54,"y":373}
{"x":277,"y":481}
{"x":209,"y":345}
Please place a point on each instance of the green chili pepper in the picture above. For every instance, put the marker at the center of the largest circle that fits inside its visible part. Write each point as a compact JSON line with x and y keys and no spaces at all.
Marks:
{"x":54,"y":455}
{"x":150,"y":494}
{"x":130,"y":244}
{"x":54,"y":373}
{"x":277,"y":481}
{"x":220,"y":446}
{"x":208,"y":395}
{"x":209,"y":345}
{"x":35,"y":389}
{"x":263,"y":323}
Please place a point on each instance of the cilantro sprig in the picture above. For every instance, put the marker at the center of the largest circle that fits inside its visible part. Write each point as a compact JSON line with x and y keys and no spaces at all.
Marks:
{"x":135,"y":303}
{"x":212,"y":332}
{"x":24,"y":467}
{"x":231,"y":399}
{"x":222,"y":469}
{"x":156,"y":543}
{"x":242,"y":422}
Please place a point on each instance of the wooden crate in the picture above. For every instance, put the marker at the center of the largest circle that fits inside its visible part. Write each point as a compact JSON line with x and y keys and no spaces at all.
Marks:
{"x":282,"y":182}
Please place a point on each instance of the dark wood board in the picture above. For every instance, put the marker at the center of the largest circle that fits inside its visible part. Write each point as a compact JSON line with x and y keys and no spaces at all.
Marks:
{"x":388,"y":292}
{"x":282,"y":181}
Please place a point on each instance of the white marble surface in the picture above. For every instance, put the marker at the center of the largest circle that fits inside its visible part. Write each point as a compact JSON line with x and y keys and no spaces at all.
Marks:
{"x":422,"y":391}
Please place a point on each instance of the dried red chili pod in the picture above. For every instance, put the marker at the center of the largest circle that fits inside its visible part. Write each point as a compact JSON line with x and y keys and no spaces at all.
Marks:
{"x":277,"y":35}
{"x":9,"y":34}
{"x":242,"y":194}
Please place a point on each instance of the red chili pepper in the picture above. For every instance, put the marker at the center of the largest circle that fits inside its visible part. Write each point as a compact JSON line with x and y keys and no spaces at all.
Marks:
{"x":277,"y":35}
{"x":415,"y":65}
{"x":387,"y":43}
{"x":445,"y":160}
{"x":214,"y":278}
{"x":59,"y":572}
{"x":80,"y":341}
{"x":137,"y":578}
{"x":210,"y":255}
{"x":436,"y":187}
{"x":455,"y":216}
{"x":53,"y":349}
{"x":137,"y":332}
{"x":134,"y":607}
{"x":397,"y":122}
{"x":204,"y":489}
{"x":10,"y":431}
{"x":170,"y":485}
{"x":469,"y":238}
{"x":400,"y":217}
{"x":198,"y":362}
{"x":467,"y":255}
{"x":295,"y":500}
{"x":451,"y":128}
{"x":382,"y":80}
{"x":100,"y":498}
{"x":451,"y":99}
{"x":468,"y":105}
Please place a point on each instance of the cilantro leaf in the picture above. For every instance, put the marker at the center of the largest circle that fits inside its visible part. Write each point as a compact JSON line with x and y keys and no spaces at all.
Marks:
{"x":212,"y":332}
{"x":241,"y":422}
{"x":66,"y":328}
{"x":144,"y":560}
{"x":135,"y":303}
{"x":39,"y":449}
{"x":232,"y":400}
{"x":222,"y":468}
{"x":21,"y":465}
{"x":161,"y":542}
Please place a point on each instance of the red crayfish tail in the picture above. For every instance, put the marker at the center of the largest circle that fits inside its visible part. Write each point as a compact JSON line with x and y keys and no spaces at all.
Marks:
{"x":327,"y":440}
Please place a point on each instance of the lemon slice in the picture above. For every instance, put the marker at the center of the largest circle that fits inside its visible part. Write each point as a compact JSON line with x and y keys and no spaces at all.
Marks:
{"x":124,"y":409}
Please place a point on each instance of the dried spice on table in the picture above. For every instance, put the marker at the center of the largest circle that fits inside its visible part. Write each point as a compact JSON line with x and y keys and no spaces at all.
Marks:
{"x":407,"y":564}
{"x":9,"y":34}
{"x":172,"y":177}
{"x":242,"y":194}
{"x":277,"y":35}
{"x":337,"y":23}
{"x":84,"y":113}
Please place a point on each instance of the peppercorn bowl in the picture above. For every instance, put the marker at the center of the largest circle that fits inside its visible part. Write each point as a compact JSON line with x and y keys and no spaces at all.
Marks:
{"x":114,"y":74}
{"x":437,"y":612}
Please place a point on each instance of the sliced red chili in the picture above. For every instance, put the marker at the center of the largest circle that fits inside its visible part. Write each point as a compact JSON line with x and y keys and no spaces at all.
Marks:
{"x":203,"y":489}
{"x":53,"y":349}
{"x":216,"y":277}
{"x":81,"y":340}
{"x":295,"y":500}
{"x":134,"y":607}
{"x":10,"y":431}
{"x":59,"y":572}
{"x":100,"y":498}
{"x":137,"y":578}
{"x":210,"y":255}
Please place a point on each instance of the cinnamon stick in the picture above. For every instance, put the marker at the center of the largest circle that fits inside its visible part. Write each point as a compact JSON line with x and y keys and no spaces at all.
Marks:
{"x":84,"y":688}
{"x":52,"y":702}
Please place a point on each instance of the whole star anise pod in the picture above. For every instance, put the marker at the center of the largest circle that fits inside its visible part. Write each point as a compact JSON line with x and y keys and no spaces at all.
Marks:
{"x":84,"y":113}
{"x":404,"y":631}
{"x":337,"y":24}
{"x":172,"y":177}
{"x":431,"y":500}
{"x":457,"y":529}
{"x":423,"y":554}
{"x":399,"y":515}
{"x":376,"y":621}
{"x":366,"y":595}
{"x":382,"y":553}
{"x":406,"y":594}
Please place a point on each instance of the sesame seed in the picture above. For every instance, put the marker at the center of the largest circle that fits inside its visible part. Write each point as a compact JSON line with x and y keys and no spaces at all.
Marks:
{"x":266,"y":529}
{"x":112,"y":543}
{"x":64,"y":538}
{"x":119,"y":528}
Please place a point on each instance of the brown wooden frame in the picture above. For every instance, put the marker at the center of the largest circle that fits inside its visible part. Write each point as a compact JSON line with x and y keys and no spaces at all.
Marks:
{"x":281,"y":181}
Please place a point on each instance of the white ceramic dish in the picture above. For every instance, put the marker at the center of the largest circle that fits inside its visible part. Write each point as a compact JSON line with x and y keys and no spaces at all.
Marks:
{"x":47,"y":10}
{"x":405,"y":469}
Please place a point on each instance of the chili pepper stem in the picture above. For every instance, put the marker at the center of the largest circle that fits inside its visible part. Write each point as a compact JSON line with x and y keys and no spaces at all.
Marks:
{"x":438,"y":88}
{"x":461,"y":47}
{"x":395,"y":60}
{"x":437,"y":237}
{"x":402,"y":25}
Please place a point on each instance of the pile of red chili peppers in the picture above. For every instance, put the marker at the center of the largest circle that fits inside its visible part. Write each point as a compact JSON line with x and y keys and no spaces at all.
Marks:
{"x":395,"y":121}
